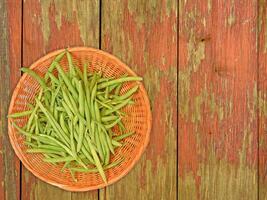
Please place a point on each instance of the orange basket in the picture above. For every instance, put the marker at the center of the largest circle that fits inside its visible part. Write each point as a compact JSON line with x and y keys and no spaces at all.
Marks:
{"x":138,"y":119}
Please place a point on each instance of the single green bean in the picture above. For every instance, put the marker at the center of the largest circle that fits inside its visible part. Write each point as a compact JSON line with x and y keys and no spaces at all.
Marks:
{"x":118,"y":89}
{"x":119,"y":80}
{"x":113,"y":123}
{"x":117,"y":107}
{"x":128,"y":93}
{"x":40,"y":150}
{"x":72,"y":144}
{"x":35,"y":76}
{"x":97,"y":162}
{"x":116,"y":143}
{"x":111,"y":165}
{"x":71,"y":67}
{"x":53,"y":78}
{"x":109,"y":118}
{"x":120,"y":137}
{"x":53,"y":64}
{"x":59,"y":159}
{"x":20,"y":114}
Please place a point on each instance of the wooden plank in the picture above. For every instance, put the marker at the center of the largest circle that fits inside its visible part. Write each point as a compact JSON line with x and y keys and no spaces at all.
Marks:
{"x":10,"y":61}
{"x":143,"y":34}
{"x":217,"y":100}
{"x":49,"y":25}
{"x":262,"y":59}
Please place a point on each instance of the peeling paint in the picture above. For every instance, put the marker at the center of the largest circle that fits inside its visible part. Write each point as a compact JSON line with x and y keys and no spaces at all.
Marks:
{"x":231,"y":17}
{"x":209,"y":6}
{"x":70,"y":11}
{"x":187,"y":187}
{"x":262,"y":104}
{"x":221,"y":180}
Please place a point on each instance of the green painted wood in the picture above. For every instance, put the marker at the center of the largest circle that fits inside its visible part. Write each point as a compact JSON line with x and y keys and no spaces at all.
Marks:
{"x":143,"y":34}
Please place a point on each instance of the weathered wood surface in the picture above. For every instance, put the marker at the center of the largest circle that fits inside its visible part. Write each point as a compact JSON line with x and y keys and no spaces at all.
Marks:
{"x":144,"y":35}
{"x":48,"y":26}
{"x":262,"y":101}
{"x":218,"y":76}
{"x":10,"y":61}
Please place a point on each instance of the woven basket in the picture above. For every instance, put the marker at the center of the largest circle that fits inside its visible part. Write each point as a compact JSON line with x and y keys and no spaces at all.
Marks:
{"x":138,"y":119}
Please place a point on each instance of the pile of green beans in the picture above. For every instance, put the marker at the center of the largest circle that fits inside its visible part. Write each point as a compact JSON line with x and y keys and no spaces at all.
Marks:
{"x":73,"y":117}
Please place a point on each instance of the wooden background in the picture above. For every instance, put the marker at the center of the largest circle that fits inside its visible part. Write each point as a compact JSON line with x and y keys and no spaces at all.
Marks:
{"x":222,"y":99}
{"x":143,"y":34}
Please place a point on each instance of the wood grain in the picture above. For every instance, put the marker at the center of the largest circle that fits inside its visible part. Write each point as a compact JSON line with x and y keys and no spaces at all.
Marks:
{"x":262,"y":87}
{"x":143,"y":34}
{"x":50,"y":25}
{"x":217,"y":100}
{"x":10,"y":61}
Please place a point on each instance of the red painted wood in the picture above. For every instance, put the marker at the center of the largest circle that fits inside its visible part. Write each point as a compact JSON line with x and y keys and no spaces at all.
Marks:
{"x":10,"y":57}
{"x":217,"y":100}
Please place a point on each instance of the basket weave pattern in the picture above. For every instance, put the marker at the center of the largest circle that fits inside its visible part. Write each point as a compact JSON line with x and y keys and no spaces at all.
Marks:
{"x":138,"y":119}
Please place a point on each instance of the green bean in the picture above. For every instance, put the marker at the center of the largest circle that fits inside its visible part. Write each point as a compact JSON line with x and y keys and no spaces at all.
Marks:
{"x":111,"y":165}
{"x":66,"y":80}
{"x":65,"y":165}
{"x":103,"y":104}
{"x":31,"y":144}
{"x":54,"y":123}
{"x":98,"y":143}
{"x":53,"y":64}
{"x":128,"y":93}
{"x":109,"y":118}
{"x":107,"y":158}
{"x":71,"y":67}
{"x":93,"y":82}
{"x":51,"y":147}
{"x":53,"y":78}
{"x":59,"y":159}
{"x":113,"y":123}
{"x":85,"y":150}
{"x":35,"y":76}
{"x":68,"y":111}
{"x":20,"y":114}
{"x":106,"y":92}
{"x":73,"y":175}
{"x":117,"y":107}
{"x":81,"y":99}
{"x":59,"y":143}
{"x":121,"y":126}
{"x":34,"y":111}
{"x":97,"y":113}
{"x":119,"y":80}
{"x":116,"y":143}
{"x":87,"y":114}
{"x":103,"y":144}
{"x":31,"y":106}
{"x":40,"y":150}
{"x":62,"y":123}
{"x":54,"y":95}
{"x":118,"y":89}
{"x":79,"y":72}
{"x":120,"y":137}
{"x":97,"y":163}
{"x":72,"y":144}
{"x":81,"y":135}
{"x":107,"y":140}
